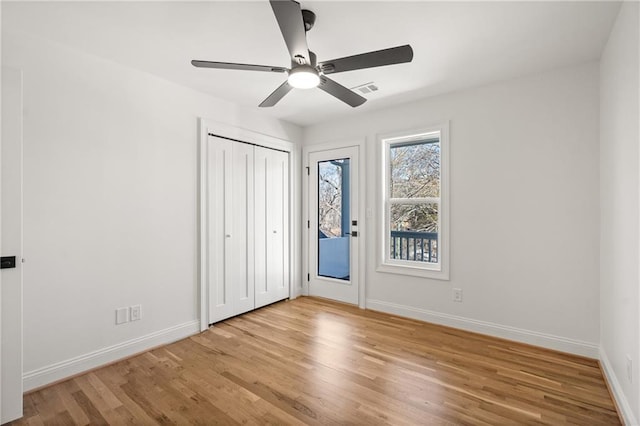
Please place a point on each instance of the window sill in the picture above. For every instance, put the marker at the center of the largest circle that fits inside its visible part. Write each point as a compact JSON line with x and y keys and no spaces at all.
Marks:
{"x":413,"y":271}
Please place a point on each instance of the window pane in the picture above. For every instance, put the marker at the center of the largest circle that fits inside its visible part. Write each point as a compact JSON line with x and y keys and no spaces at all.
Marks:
{"x":333,"y":219}
{"x":414,"y":232}
{"x":331,"y":211}
{"x":415,"y":169}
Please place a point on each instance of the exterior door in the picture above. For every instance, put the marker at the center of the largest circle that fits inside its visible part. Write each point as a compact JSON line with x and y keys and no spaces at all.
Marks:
{"x":271,"y":226}
{"x":11,"y":245}
{"x":333,"y":224}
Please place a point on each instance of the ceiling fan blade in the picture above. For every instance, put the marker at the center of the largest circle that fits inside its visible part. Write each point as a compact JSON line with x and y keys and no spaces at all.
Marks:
{"x":233,"y":66}
{"x":289,"y":17}
{"x":339,"y":91}
{"x":379,"y":58}
{"x":277,"y":94}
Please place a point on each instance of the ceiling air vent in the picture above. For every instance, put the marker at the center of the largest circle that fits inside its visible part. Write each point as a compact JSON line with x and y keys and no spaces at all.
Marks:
{"x":365,"y":89}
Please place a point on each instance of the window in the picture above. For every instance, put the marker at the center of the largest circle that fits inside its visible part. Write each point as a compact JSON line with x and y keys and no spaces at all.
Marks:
{"x":415,"y":203}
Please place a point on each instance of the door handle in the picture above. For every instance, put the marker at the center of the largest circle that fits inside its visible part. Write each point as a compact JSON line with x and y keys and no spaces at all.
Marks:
{"x":7,"y":262}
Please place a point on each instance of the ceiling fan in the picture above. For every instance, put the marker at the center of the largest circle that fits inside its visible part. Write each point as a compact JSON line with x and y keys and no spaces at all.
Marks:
{"x":305,"y":71}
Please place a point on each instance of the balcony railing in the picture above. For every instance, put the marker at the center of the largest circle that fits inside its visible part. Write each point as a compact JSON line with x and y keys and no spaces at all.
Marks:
{"x":414,"y":245}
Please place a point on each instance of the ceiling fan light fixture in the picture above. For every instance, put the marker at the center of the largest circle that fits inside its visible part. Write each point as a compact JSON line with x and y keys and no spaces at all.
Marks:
{"x":306,"y":72}
{"x":304,"y":77}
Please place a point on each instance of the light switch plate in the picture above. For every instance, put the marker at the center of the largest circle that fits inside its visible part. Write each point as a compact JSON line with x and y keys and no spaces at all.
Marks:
{"x":122,"y":315}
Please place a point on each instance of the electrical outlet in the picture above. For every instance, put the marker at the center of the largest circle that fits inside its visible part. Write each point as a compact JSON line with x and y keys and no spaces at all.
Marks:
{"x":122,"y":315}
{"x":629,"y":369}
{"x":136,"y":312}
{"x":457,"y":295}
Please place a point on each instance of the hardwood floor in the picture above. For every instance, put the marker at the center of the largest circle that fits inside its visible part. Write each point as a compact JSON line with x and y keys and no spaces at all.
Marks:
{"x":312,"y":361}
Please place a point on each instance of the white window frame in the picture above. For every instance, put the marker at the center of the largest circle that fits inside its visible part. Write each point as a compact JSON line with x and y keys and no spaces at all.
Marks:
{"x":438,"y":270}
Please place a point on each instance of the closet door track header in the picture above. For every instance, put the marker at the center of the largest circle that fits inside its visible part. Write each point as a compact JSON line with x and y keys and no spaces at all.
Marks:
{"x":245,"y":142}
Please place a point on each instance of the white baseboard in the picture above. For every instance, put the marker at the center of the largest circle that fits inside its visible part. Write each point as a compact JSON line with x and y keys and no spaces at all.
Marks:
{"x":296,"y":291}
{"x":549,"y":341}
{"x":61,"y":370}
{"x":623,"y":404}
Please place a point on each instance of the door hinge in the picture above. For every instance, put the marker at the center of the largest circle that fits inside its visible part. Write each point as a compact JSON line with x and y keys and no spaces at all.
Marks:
{"x":308,"y":171}
{"x":308,"y":224}
{"x":308,"y":277}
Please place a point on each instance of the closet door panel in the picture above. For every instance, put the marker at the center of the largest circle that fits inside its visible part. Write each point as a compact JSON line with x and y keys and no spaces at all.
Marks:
{"x":219,"y":152}
{"x":240,"y":259}
{"x":260,"y":234}
{"x":276,"y":217}
{"x":274,"y":284}
{"x":282,"y":289}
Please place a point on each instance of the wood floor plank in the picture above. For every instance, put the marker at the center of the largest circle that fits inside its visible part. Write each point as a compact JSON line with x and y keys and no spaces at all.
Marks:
{"x":317,"y":362}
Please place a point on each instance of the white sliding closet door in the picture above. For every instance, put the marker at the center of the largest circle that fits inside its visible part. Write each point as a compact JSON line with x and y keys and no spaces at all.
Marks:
{"x":271,"y":226}
{"x":246,"y":227}
{"x":218,"y":186}
{"x":240,"y":224}
{"x":230,"y":228}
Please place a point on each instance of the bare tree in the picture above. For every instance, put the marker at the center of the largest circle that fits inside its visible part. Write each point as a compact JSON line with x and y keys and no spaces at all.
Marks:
{"x":330,"y":198}
{"x":415,"y":173}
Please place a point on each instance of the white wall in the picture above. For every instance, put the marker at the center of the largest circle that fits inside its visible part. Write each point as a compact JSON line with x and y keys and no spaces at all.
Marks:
{"x":620,"y":216}
{"x":524,"y":208}
{"x":110,"y":204}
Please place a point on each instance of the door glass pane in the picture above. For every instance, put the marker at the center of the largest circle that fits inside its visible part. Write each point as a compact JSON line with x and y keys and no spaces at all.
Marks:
{"x":333,"y":219}
{"x":414,"y":232}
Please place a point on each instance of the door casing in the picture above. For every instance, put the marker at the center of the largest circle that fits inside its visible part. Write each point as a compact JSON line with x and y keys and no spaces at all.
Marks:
{"x":11,"y":364}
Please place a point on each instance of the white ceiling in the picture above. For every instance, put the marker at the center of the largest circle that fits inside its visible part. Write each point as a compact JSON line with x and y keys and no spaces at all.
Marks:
{"x":456,"y":45}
